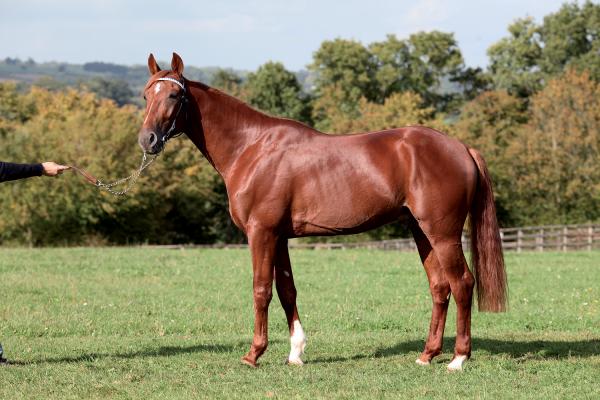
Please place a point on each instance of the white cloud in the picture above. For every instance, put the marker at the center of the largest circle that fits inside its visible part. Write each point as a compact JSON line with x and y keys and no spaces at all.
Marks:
{"x":424,"y":15}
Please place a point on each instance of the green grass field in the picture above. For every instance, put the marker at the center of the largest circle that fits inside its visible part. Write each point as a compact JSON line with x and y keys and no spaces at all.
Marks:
{"x":139,"y":323}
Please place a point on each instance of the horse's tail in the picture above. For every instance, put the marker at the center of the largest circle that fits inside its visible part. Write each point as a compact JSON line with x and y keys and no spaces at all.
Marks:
{"x":487,"y":260}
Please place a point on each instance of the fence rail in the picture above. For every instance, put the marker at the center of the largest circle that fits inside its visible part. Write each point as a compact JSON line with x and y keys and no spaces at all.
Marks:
{"x":530,"y":238}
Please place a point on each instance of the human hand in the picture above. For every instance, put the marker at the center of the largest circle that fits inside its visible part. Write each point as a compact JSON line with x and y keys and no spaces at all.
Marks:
{"x":53,"y":169}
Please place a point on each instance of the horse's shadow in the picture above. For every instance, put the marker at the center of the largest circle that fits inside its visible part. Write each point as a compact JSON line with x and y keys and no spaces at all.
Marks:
{"x":162,"y":351}
{"x":515,"y":349}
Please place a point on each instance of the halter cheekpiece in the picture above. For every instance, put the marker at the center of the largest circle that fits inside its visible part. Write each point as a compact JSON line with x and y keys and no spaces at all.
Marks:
{"x":182,"y":101}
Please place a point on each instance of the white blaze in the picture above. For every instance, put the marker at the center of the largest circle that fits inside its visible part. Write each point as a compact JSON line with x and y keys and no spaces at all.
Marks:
{"x":149,"y":109}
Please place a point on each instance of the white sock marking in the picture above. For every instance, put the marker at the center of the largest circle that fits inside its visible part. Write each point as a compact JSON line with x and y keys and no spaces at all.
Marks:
{"x":298,"y":343}
{"x":456,"y":363}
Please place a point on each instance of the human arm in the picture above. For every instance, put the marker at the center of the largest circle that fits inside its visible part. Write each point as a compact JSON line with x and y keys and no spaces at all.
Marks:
{"x":14,"y":171}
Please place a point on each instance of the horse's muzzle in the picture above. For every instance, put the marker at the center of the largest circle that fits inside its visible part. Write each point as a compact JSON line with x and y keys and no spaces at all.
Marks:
{"x":151,"y":142}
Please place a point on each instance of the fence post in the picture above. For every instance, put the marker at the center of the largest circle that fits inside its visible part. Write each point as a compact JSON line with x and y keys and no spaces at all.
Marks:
{"x":519,"y":240}
{"x":540,"y":240}
{"x":565,"y":230}
{"x":590,"y":237}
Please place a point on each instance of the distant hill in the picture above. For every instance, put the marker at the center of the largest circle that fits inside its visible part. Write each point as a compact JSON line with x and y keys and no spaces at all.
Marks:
{"x":136,"y":76}
{"x":60,"y":74}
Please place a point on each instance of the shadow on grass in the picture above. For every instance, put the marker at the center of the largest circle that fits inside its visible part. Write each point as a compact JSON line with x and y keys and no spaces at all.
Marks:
{"x":163,"y":351}
{"x":518,"y":350}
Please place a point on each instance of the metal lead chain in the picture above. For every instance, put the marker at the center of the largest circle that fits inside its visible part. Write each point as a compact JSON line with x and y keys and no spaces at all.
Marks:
{"x":131,"y":179}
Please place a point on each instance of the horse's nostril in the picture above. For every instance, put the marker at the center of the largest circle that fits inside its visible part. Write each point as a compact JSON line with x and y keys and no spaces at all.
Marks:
{"x":153,"y":139}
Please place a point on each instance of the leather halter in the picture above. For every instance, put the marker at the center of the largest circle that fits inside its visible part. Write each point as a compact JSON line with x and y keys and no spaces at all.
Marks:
{"x":183,"y":100}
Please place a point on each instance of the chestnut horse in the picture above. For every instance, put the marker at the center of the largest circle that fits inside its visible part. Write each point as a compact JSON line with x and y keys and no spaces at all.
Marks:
{"x":285,"y":180}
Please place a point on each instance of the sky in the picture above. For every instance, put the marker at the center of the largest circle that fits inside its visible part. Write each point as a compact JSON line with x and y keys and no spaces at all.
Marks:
{"x":243,"y":34}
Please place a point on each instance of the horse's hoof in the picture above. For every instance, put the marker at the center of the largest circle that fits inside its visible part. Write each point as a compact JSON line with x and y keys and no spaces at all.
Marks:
{"x":294,"y":361}
{"x":3,"y":360}
{"x":423,"y":363}
{"x":457,"y":363}
{"x":249,"y":362}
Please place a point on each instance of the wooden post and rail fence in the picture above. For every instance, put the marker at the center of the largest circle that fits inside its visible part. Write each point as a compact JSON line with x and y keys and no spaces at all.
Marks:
{"x":530,"y":238}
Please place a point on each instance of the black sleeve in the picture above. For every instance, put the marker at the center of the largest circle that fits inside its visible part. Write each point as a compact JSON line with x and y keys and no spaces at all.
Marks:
{"x":11,"y":171}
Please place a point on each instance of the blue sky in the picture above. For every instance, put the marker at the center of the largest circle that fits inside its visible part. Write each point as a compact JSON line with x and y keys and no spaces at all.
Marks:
{"x":243,"y":34}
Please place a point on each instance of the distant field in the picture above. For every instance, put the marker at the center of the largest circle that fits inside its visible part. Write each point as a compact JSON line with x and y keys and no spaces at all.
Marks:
{"x":137,"y":323}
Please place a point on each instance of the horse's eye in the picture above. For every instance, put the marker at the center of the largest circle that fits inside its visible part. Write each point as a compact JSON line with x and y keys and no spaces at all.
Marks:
{"x":144,"y":97}
{"x":173,"y":96}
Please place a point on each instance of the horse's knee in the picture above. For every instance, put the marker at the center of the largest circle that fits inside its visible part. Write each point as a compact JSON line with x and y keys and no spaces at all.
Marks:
{"x":263,"y":296}
{"x":440,"y":290}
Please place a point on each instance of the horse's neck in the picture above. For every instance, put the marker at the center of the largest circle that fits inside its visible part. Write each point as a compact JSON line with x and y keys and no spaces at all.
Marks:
{"x":225,"y":126}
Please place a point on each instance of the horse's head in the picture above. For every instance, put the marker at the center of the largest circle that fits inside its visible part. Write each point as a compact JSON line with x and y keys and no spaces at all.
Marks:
{"x":165,"y":96}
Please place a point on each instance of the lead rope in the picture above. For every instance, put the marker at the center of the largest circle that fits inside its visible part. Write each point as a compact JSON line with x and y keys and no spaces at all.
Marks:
{"x":131,"y":179}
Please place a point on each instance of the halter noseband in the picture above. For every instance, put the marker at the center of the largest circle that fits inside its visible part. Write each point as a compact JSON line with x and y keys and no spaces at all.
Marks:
{"x":182,"y":101}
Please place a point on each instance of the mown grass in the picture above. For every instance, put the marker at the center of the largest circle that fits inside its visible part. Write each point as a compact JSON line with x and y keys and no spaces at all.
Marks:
{"x":140,"y":323}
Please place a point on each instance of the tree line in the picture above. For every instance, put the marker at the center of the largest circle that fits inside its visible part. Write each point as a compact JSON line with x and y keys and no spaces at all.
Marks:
{"x":534,"y":113}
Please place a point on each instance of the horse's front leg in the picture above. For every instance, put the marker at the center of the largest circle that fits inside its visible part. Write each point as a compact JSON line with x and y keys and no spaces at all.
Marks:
{"x":262,"y":244}
{"x":284,"y":282}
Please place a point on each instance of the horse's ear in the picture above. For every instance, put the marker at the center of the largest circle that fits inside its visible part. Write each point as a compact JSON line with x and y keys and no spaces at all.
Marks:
{"x":177,"y":64}
{"x":152,"y":65}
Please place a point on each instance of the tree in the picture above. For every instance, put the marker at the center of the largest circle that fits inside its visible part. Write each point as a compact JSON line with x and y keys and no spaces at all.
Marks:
{"x":493,"y":123}
{"x":514,"y":61}
{"x":275,"y":90}
{"x":419,"y":64}
{"x":15,"y":109}
{"x":557,"y":158}
{"x":228,"y":81}
{"x":177,"y":200}
{"x":570,"y":34}
{"x":398,"y":110}
{"x":534,"y":54}
{"x":344,"y":72}
{"x":114,"y":89}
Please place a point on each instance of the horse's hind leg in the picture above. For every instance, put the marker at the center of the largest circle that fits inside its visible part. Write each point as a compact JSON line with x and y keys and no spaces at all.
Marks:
{"x":284,"y":282}
{"x":450,"y":256}
{"x":440,"y":295}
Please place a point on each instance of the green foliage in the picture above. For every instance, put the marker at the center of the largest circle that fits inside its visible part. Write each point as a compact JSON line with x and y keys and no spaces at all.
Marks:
{"x":399,"y":109}
{"x":558,"y":157}
{"x":344,"y":74}
{"x":14,"y":108}
{"x":426,"y":63}
{"x":115,"y":89}
{"x":418,"y":64}
{"x":179,"y":199}
{"x":533,"y":54}
{"x":543,"y":159}
{"x":514,"y":60}
{"x":275,"y":90}
{"x":493,"y":124}
{"x":228,"y":81}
